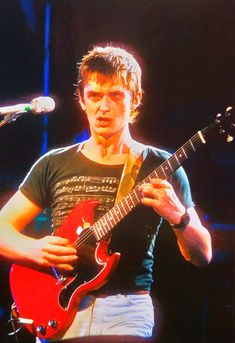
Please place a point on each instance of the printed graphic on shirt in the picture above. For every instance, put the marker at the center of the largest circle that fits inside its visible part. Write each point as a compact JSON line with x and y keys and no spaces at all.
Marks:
{"x":69,"y":192}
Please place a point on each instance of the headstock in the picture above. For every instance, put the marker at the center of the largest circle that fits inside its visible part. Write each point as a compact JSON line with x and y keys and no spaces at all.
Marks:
{"x":226,"y":123}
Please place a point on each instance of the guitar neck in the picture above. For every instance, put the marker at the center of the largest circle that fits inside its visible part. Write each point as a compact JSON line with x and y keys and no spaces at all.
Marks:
{"x":107,"y":222}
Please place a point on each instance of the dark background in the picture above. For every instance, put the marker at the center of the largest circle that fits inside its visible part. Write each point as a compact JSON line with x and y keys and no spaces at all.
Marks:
{"x":187,"y":53}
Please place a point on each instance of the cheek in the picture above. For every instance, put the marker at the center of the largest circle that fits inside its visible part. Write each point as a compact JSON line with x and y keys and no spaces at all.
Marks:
{"x":125,"y":106}
{"x":90,"y":108}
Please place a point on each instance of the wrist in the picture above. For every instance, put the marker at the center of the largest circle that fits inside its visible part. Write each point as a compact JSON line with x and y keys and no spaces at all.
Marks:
{"x":183,"y":223}
{"x":26,"y":248}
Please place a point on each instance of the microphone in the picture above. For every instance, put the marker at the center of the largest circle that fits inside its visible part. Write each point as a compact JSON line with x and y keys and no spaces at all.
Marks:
{"x":42,"y":104}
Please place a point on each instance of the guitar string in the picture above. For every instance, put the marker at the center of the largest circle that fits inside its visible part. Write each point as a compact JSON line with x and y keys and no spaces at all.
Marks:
{"x":196,"y":139}
{"x":88,"y":236}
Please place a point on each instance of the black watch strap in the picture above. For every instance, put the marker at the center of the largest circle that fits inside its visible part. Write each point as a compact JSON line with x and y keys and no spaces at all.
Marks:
{"x":185,"y":219}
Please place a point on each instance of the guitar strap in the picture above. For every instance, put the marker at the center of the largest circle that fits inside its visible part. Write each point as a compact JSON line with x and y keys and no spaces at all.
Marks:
{"x":136,"y":155}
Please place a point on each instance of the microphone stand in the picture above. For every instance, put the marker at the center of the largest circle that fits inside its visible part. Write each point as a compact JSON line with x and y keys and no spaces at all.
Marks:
{"x":8,"y":118}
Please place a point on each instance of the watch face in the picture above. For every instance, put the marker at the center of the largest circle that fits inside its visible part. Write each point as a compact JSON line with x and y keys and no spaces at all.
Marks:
{"x":184,"y":222}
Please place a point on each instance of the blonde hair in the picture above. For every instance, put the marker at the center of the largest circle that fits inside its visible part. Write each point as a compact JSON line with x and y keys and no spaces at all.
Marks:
{"x":112,"y":61}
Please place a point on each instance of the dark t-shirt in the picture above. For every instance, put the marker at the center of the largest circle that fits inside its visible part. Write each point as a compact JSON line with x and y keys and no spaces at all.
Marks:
{"x":64,"y":177}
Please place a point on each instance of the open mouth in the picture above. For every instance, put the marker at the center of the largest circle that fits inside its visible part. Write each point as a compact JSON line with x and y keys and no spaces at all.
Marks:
{"x":103,"y":121}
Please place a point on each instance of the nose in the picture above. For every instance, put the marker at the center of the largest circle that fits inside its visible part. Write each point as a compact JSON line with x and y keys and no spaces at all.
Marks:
{"x":104,"y":104}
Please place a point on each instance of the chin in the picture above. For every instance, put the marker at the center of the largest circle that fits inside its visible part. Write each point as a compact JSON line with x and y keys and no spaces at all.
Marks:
{"x":104,"y":132}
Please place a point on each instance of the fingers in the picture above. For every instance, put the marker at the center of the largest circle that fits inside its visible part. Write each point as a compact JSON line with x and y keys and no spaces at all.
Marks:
{"x":58,"y":245}
{"x":148,"y":201}
{"x":155,"y":184}
{"x":55,"y":251}
{"x":63,"y":266}
{"x":160,"y":195}
{"x":62,"y":262}
{"x":58,"y":240}
{"x":54,"y":258}
{"x":156,"y":193}
{"x":60,"y":250}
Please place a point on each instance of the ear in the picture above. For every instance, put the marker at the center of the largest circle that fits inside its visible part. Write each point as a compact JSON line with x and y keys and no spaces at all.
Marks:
{"x":82,"y":103}
{"x":136,"y":101}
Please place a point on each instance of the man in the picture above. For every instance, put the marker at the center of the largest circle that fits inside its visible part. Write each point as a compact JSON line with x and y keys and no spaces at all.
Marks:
{"x":109,"y":91}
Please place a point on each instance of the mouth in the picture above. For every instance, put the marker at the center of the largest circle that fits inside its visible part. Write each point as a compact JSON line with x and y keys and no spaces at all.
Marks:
{"x":103,"y":121}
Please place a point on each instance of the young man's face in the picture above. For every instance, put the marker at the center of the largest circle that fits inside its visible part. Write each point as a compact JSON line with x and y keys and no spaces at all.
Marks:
{"x":107,"y":104}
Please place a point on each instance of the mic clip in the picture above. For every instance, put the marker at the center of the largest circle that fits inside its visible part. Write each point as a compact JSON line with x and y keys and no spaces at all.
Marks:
{"x":10,"y":117}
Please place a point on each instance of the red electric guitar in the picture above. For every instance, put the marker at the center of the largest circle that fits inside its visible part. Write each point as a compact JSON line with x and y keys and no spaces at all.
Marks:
{"x":46,"y":300}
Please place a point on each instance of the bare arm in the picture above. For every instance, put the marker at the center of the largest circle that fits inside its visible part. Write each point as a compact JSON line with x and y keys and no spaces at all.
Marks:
{"x":194,"y":241}
{"x":47,"y":251}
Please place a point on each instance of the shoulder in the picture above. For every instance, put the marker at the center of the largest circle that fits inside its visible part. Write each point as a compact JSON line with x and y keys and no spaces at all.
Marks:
{"x":59,"y":154}
{"x":150,"y":151}
{"x":62,"y":151}
{"x":161,"y":155}
{"x":56,"y":158}
{"x":156,"y":157}
{"x":153,"y":154}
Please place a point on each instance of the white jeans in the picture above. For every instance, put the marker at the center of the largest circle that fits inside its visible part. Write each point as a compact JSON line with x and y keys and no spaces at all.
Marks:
{"x":119,"y":314}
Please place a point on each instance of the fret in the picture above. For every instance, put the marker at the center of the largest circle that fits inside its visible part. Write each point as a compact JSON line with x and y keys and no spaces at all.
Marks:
{"x":120,"y":210}
{"x":163,"y":171}
{"x":192,"y":145}
{"x":99,"y":231}
{"x":168,"y":161}
{"x":146,"y":180}
{"x":134,"y":191}
{"x":97,"y":235}
{"x":180,"y":156}
{"x":107,"y":223}
{"x":177,"y":159}
{"x":130,"y":197}
{"x":155,"y":174}
{"x":186,"y":156}
{"x":126,"y":205}
{"x":165,"y":166}
{"x":116,"y":214}
{"x":121,"y":203}
{"x":111,"y":218}
{"x":126,"y":200}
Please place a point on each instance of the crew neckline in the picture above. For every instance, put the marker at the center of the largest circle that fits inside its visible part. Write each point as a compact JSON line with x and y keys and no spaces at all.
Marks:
{"x":102,"y":165}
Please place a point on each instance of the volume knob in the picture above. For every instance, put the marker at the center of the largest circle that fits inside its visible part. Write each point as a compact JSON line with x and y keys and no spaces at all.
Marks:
{"x":53,"y":323}
{"x":41,"y":329}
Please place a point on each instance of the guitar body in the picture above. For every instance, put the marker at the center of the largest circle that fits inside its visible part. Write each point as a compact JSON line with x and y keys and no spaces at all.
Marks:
{"x":51,"y":298}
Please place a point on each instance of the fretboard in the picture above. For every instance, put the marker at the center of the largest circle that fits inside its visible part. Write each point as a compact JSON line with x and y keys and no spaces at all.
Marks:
{"x":108,"y":221}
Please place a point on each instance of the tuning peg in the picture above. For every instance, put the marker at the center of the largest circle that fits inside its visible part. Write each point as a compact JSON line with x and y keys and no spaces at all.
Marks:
{"x":229,"y":108}
{"x":229,"y":139}
{"x":218,"y":118}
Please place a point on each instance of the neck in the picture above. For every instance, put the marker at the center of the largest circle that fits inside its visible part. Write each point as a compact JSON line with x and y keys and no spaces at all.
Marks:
{"x":111,"y":150}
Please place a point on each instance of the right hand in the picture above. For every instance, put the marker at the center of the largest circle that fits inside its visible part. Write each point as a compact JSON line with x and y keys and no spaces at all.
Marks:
{"x":53,"y":251}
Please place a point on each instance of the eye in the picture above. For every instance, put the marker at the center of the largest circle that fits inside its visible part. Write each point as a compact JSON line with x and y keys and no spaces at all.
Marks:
{"x":94,"y":96}
{"x":116,"y":95}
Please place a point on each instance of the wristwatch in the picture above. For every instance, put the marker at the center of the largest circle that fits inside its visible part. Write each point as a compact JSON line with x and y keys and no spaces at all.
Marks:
{"x":185,"y":219}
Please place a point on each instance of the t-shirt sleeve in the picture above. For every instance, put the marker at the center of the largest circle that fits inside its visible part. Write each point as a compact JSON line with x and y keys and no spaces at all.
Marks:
{"x":178,"y":179}
{"x":35,"y":185}
{"x":181,"y":186}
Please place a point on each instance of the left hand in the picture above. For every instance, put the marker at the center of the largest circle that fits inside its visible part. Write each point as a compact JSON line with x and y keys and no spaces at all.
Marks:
{"x":160,"y":195}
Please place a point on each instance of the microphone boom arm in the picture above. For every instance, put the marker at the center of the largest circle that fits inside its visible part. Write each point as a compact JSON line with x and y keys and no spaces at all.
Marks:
{"x":10,"y":117}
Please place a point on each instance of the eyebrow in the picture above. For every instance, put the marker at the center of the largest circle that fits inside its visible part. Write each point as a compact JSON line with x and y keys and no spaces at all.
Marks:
{"x":113,"y":92}
{"x":90,"y":93}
